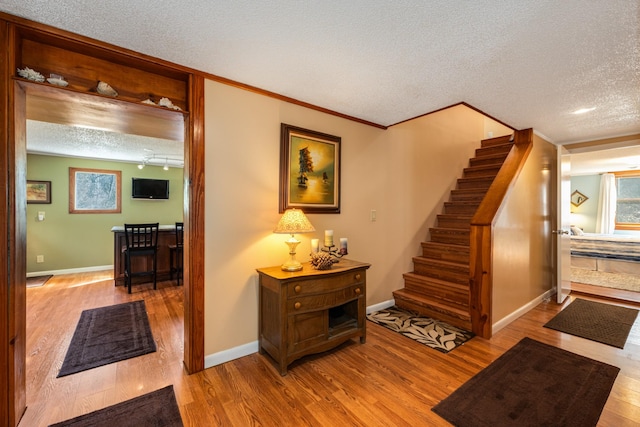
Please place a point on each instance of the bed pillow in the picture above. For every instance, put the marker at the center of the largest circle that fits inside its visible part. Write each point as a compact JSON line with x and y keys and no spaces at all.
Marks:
{"x":576,"y":231}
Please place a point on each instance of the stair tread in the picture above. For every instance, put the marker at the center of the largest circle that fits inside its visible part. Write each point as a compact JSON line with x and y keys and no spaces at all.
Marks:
{"x":439,"y":304}
{"x":463,"y":248}
{"x":423,"y":259}
{"x":428,"y":279}
{"x":496,"y":140}
{"x":449,"y":230}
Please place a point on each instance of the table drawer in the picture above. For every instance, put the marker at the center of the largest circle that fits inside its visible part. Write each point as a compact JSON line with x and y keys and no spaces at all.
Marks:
{"x":326,"y":300}
{"x":325,"y":284}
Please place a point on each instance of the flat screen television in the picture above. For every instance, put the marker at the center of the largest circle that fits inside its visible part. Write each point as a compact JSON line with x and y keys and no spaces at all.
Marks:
{"x":146,"y":188}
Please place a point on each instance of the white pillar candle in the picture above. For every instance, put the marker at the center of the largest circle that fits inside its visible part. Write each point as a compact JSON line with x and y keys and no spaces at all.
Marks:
{"x":343,"y":245}
{"x":328,"y":238}
{"x":315,"y":245}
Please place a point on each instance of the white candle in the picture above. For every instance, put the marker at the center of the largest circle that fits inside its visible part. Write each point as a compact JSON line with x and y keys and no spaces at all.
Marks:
{"x":343,"y":245}
{"x":315,"y":245}
{"x":328,"y":238}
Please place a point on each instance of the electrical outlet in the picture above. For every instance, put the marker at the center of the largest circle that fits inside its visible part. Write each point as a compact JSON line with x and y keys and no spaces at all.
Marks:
{"x":39,"y":258}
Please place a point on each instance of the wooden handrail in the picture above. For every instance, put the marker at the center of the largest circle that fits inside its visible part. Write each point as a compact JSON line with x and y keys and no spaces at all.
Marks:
{"x":481,"y":236}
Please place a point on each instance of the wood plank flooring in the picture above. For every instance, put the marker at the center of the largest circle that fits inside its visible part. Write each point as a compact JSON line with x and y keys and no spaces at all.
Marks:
{"x":389,"y":381}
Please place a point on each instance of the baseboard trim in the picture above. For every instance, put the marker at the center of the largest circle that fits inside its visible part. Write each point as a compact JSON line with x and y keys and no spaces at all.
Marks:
{"x":230,"y":354}
{"x":253,"y":347}
{"x":71,"y":270}
{"x":522,"y":310}
{"x":381,"y":306}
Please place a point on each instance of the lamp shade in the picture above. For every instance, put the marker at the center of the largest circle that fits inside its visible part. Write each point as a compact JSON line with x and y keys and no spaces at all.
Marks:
{"x":293,"y":221}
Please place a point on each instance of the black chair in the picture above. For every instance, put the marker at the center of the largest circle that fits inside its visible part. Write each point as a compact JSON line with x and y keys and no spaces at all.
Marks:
{"x":141,"y":241}
{"x":175,"y":252}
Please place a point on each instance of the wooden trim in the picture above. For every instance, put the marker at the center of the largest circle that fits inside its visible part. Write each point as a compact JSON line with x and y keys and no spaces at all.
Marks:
{"x":602,"y":143}
{"x":194,"y":229}
{"x":455,"y":105}
{"x":481,"y":234}
{"x":6,"y":388}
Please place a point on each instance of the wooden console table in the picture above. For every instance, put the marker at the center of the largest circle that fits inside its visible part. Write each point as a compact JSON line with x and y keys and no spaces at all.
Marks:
{"x":166,"y":237}
{"x":310,"y":311}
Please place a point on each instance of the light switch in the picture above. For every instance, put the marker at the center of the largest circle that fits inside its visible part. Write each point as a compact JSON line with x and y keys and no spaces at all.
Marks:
{"x":40,"y":216}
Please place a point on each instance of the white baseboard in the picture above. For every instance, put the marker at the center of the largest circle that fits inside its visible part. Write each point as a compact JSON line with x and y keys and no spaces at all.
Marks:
{"x":252,"y":347}
{"x":71,"y":270}
{"x":381,"y":306}
{"x":230,"y":354}
{"x":522,"y":310}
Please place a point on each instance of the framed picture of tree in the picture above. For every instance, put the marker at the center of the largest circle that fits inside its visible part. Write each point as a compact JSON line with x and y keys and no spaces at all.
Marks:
{"x":309,"y":170}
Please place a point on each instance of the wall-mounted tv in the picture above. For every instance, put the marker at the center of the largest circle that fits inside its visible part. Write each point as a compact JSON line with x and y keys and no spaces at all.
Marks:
{"x":146,"y":188}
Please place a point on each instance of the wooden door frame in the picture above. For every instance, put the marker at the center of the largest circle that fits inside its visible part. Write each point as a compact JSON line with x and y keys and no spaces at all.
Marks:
{"x":13,"y":214}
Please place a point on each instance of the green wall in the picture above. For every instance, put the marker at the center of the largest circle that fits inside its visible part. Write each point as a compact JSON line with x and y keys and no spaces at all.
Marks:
{"x":81,"y":241}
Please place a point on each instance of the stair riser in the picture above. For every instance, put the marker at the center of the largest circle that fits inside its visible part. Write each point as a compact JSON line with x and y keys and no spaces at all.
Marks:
{"x":480,"y":184}
{"x":449,"y":276}
{"x":461,"y":223}
{"x":435,"y":253}
{"x":462,"y":209}
{"x":489,"y":151}
{"x":487,"y":160}
{"x":481,"y":173}
{"x":499,"y":140}
{"x":435,"y":314}
{"x":451,"y":238}
{"x":444,"y":296}
{"x":467,"y":196}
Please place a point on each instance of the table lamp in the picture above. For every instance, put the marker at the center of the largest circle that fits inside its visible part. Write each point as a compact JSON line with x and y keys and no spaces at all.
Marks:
{"x":293,"y":221}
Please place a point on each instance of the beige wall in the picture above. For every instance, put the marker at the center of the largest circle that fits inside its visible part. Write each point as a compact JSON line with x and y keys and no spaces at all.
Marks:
{"x":404,"y":173}
{"x":57,"y":235}
{"x":523,"y":252}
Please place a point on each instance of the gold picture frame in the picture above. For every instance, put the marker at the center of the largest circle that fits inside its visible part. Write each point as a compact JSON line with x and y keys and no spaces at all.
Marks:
{"x":94,"y":191}
{"x":309,"y":170}
{"x":577,"y":198}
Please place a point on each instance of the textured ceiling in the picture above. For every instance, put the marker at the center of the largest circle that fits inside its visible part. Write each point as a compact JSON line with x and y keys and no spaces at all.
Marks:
{"x":526,"y":63}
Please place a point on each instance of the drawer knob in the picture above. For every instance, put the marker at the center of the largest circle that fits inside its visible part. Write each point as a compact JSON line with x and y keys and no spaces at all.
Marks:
{"x":358,"y":291}
{"x":297,"y":305}
{"x":358,"y":276}
{"x":297,"y":289}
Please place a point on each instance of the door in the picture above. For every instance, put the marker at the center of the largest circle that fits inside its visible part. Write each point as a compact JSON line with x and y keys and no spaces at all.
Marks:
{"x":563,"y":224}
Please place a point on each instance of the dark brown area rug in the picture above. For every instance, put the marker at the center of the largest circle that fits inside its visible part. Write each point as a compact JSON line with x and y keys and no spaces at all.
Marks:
{"x":36,"y":281}
{"x":605,"y":323}
{"x":431,"y":332}
{"x":532,"y":384}
{"x":156,"y":409}
{"x":108,"y":334}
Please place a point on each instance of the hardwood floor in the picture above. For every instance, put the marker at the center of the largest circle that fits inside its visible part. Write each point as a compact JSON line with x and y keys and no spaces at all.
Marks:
{"x":389,"y":381}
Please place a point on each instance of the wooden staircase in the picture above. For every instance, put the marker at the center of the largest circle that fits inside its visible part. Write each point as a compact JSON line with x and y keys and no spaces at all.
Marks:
{"x":438,"y":286}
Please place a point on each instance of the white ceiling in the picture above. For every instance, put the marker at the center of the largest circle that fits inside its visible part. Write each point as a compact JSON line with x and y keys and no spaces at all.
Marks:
{"x":526,"y":63}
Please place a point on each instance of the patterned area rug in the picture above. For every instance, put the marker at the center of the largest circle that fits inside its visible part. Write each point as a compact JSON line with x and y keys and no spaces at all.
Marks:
{"x":596,"y":321}
{"x":532,"y":384}
{"x":627,"y":282}
{"x":430,"y":332}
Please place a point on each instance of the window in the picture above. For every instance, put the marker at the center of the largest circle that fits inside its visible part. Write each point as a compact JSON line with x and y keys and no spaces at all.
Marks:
{"x":628,"y":200}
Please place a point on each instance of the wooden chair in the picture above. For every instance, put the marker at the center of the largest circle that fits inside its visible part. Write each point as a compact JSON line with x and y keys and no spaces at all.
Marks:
{"x":175,"y":252}
{"x":141,"y":241}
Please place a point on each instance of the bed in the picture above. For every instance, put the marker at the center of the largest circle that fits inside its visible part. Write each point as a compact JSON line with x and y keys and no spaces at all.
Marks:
{"x":613,"y":253}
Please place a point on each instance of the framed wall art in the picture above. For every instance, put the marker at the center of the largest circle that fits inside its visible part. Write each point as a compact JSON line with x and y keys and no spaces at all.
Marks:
{"x":577,"y":198}
{"x":309,"y":170}
{"x":38,"y":192}
{"x":94,"y":191}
